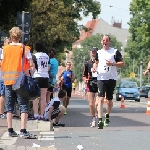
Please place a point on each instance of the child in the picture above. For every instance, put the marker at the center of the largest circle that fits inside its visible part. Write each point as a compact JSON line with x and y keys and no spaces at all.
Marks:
{"x":54,"y":111}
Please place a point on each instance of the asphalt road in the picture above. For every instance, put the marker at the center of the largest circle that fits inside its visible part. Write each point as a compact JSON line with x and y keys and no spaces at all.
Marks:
{"x":129,"y":129}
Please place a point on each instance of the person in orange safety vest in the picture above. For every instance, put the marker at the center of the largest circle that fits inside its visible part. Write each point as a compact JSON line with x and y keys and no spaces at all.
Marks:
{"x":11,"y":68}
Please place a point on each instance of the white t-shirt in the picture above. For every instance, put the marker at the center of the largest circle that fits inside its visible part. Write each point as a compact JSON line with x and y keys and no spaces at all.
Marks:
{"x":42,"y":60}
{"x":106,"y":72}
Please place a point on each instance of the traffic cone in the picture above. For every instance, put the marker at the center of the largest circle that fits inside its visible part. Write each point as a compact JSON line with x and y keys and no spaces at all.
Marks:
{"x":122,"y":103}
{"x":148,"y":106}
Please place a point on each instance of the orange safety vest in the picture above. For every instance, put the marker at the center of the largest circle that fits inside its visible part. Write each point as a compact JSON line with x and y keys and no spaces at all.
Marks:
{"x":26,"y":62}
{"x":12,"y":63}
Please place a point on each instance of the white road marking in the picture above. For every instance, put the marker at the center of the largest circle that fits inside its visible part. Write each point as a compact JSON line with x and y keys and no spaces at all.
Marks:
{"x":45,"y":136}
{"x":6,"y":140}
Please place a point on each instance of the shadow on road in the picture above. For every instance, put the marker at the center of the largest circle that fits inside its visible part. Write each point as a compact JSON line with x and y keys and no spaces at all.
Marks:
{"x":127,"y":117}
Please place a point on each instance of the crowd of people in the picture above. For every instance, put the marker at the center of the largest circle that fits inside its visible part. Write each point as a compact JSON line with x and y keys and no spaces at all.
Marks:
{"x":99,"y":76}
{"x":42,"y":66}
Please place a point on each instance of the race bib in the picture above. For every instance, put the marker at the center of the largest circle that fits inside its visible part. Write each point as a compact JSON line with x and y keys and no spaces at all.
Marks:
{"x":104,"y":69}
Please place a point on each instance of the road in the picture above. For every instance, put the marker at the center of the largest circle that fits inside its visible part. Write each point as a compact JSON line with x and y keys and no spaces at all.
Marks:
{"x":129,"y":129}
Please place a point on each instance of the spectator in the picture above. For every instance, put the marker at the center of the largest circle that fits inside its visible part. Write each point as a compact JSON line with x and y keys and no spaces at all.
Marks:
{"x":11,"y":67}
{"x":41,"y":63}
{"x":53,"y":71}
{"x":54,"y":110}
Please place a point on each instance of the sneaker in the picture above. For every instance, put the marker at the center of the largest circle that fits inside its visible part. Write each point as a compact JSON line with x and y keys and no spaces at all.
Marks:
{"x":65,"y":113}
{"x":27,"y":135}
{"x":3,"y":116}
{"x":106,"y":122}
{"x":33,"y":118}
{"x":100,"y":125}
{"x":41,"y":119}
{"x":93,"y":124}
{"x":12,"y":134}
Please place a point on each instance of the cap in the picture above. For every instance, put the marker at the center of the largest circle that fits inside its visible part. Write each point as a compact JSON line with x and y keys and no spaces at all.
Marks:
{"x":94,"y":49}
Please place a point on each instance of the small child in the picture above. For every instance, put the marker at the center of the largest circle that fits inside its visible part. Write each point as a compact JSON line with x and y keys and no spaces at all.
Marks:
{"x":54,"y":111}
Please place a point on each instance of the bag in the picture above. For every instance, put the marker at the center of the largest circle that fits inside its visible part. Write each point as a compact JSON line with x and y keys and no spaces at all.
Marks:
{"x":29,"y":89}
{"x":26,"y":86}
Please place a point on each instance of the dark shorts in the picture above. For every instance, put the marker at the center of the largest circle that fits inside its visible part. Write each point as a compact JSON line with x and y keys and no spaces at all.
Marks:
{"x":68,"y":90}
{"x":51,"y":89}
{"x":74,"y":89}
{"x":106,"y":86}
{"x":42,"y":82}
{"x":92,"y":86}
{"x":55,"y":113}
{"x":2,"y":88}
{"x":10,"y":99}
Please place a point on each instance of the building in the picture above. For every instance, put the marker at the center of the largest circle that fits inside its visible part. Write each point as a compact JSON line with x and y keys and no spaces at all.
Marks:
{"x":102,"y":27}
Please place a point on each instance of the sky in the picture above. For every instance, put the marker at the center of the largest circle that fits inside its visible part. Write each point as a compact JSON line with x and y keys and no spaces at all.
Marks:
{"x":119,"y":10}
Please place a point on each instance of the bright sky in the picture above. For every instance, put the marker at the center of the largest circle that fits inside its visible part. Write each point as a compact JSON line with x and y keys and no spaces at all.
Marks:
{"x":119,"y":10}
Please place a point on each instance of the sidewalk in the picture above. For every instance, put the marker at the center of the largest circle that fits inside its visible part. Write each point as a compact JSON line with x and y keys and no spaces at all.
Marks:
{"x":40,"y":128}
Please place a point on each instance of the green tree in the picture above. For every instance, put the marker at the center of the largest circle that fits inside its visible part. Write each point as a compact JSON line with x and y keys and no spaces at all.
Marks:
{"x":8,"y":12}
{"x":82,"y":55}
{"x":138,"y":45}
{"x":95,"y":41}
{"x":55,"y":22}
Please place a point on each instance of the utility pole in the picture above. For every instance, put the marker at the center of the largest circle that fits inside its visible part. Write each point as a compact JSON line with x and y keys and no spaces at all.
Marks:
{"x":141,"y":65}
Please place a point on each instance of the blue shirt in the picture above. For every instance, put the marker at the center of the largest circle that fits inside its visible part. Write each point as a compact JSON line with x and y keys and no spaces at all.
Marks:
{"x":67,"y":80}
{"x":53,"y":68}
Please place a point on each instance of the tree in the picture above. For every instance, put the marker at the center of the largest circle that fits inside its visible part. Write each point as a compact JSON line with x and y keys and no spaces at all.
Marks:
{"x":55,"y":22}
{"x":95,"y":41}
{"x":8,"y":12}
{"x":138,"y":45}
{"x":82,"y":55}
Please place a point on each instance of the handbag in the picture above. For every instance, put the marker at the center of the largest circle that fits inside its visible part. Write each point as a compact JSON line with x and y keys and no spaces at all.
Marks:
{"x":26,"y":86}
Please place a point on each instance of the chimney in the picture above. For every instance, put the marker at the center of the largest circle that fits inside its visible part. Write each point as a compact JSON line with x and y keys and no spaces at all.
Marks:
{"x":116,"y":24}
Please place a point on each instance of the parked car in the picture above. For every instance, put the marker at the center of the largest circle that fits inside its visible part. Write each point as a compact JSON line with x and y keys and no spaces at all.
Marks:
{"x":129,"y":90}
{"x":144,"y":91}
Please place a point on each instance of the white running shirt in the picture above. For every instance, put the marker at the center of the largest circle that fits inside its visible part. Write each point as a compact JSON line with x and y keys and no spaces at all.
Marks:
{"x":106,"y":72}
{"x":42,"y":63}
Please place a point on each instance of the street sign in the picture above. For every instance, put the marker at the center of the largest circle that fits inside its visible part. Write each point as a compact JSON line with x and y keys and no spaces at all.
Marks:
{"x":132,"y":75}
{"x":23,"y":22}
{"x":26,"y":20}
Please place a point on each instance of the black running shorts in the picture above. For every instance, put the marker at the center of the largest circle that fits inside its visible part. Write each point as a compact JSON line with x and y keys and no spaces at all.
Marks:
{"x":106,"y":86}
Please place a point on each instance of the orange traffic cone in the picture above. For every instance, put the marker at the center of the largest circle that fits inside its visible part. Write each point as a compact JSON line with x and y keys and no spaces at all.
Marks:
{"x":148,"y":106}
{"x":122,"y":103}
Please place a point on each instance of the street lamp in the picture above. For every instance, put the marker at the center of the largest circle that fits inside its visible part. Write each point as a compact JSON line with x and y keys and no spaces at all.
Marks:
{"x":141,"y":65}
